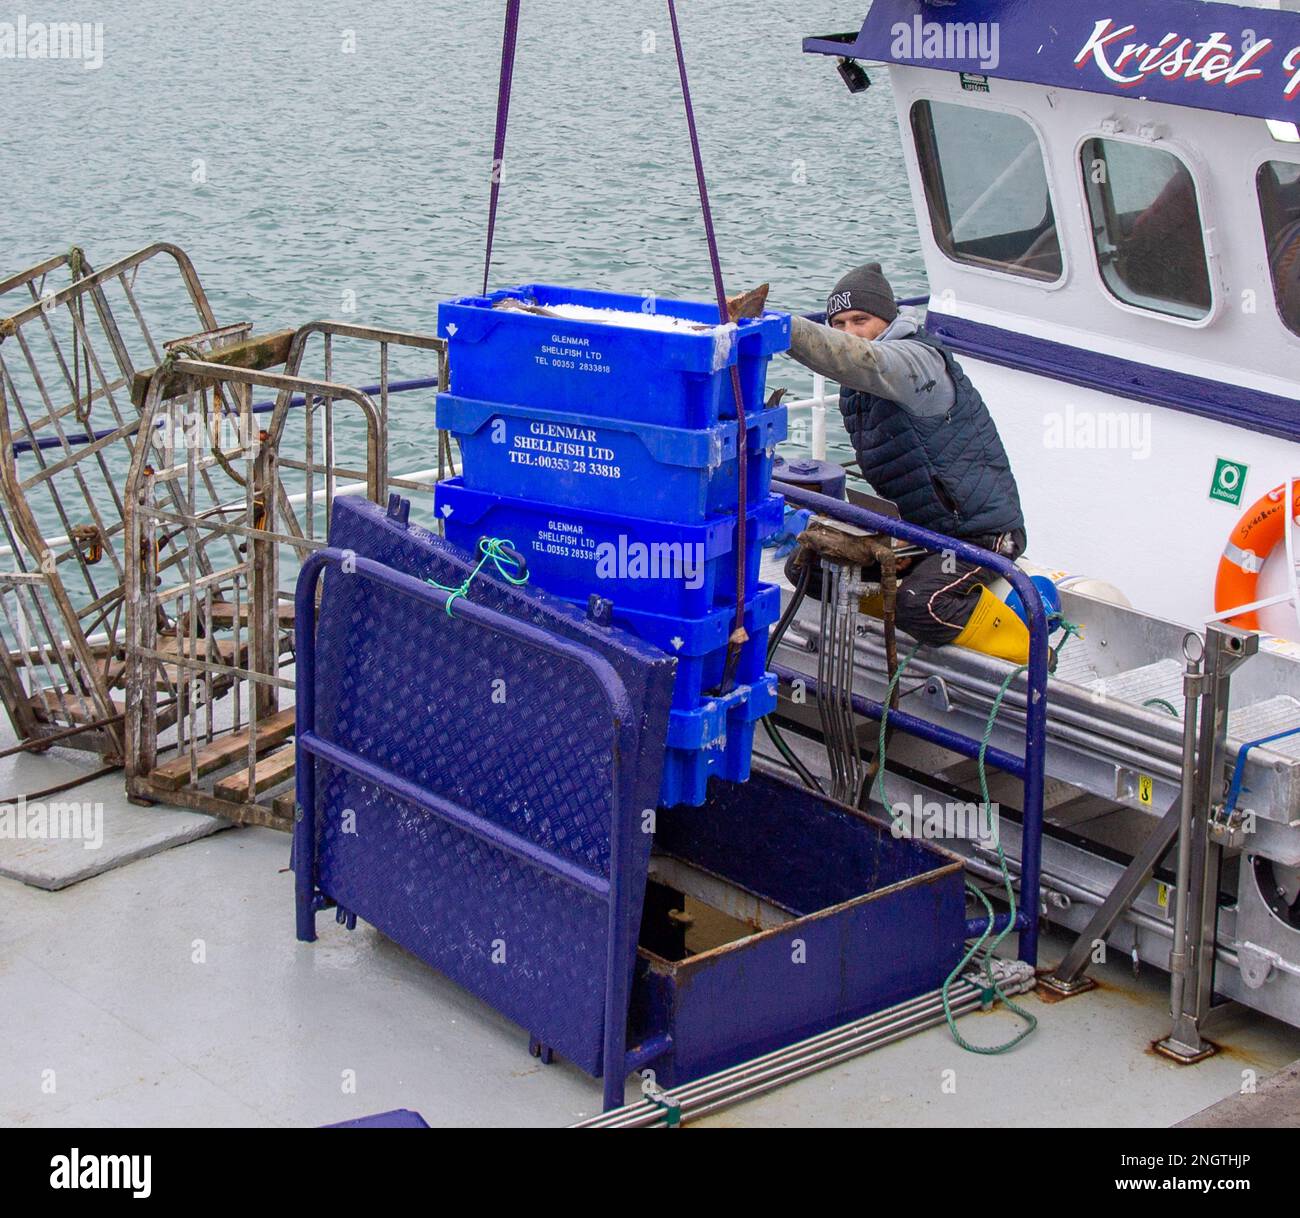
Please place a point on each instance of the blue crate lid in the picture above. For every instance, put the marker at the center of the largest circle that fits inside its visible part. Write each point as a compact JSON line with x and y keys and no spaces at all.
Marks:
{"x":473,"y":317}
{"x":674,"y":377}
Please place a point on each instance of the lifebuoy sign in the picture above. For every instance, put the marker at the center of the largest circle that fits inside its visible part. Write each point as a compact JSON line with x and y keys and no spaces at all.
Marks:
{"x":1184,"y":52}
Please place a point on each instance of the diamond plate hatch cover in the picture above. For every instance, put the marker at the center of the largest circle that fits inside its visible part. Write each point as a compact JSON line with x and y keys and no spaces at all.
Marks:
{"x":522,"y":738}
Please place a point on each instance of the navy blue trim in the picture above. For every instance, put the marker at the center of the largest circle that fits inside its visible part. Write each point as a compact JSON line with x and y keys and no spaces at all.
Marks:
{"x":1040,"y":40}
{"x":1252,"y":409}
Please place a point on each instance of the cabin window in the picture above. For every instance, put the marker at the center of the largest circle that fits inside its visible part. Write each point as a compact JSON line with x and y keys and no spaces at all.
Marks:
{"x":1146,"y":225}
{"x":987,"y":189}
{"x":1278,"y":183}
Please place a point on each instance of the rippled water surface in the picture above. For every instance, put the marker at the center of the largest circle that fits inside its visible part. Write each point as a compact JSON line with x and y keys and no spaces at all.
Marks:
{"x":330,"y":177}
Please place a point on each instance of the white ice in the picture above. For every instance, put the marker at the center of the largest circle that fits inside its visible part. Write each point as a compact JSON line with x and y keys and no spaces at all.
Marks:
{"x":622,"y":317}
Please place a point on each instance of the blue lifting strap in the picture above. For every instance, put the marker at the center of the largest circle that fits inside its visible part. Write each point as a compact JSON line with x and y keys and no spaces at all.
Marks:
{"x":1239,"y":770}
{"x":510,"y":38}
{"x":509,"y":42}
{"x":738,"y":635}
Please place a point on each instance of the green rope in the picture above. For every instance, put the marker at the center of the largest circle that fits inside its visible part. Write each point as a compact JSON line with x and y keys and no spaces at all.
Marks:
{"x":187,"y":351}
{"x":1071,"y":631}
{"x":493,"y":551}
{"x":991,"y":985}
{"x":881,"y":735}
{"x":1169,"y":706}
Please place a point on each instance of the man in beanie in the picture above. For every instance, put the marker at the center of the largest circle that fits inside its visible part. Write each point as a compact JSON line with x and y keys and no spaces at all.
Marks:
{"x":924,"y":440}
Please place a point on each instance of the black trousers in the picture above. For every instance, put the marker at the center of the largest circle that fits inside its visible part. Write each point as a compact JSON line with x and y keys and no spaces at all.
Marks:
{"x":937,"y":593}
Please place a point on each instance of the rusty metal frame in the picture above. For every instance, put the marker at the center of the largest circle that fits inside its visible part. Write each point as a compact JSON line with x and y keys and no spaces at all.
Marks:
{"x":60,"y":626}
{"x":184,"y":660}
{"x":193,"y":545}
{"x":328,"y":331}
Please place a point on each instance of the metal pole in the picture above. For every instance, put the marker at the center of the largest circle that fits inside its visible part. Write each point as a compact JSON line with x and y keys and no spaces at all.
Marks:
{"x":817,"y":412}
{"x":752,"y":1078}
{"x":1197,"y":898}
{"x":1193,"y":688}
{"x":1068,"y":977}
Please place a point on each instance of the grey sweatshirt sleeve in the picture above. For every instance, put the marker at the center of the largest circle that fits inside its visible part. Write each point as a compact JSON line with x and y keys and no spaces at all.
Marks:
{"x":909,"y":373}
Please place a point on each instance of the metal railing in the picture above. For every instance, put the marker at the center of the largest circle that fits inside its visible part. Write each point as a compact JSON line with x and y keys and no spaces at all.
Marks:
{"x":1028,"y":767}
{"x":608,"y":889}
{"x":215,"y":636}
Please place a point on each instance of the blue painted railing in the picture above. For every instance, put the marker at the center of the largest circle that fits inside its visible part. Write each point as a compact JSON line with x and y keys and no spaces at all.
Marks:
{"x":1029,"y":767}
{"x":298,"y":399}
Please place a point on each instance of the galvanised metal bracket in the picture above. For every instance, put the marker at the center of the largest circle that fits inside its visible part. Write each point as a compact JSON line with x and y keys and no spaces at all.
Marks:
{"x":1191,"y":962}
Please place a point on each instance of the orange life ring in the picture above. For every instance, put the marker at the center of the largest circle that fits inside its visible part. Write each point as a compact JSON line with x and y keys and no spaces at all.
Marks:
{"x":1252,"y":541}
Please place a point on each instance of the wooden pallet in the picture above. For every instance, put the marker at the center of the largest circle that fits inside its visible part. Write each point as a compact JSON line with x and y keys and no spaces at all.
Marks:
{"x":270,"y":771}
{"x":225,"y":750}
{"x":47,"y":707}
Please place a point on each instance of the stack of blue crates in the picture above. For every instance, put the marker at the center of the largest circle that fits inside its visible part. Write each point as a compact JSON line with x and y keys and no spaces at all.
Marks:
{"x":607,"y":455}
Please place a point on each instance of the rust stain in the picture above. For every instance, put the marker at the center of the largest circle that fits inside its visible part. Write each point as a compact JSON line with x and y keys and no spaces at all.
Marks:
{"x":1238,"y":1054}
{"x":1050,"y":996}
{"x":1153,"y":1050}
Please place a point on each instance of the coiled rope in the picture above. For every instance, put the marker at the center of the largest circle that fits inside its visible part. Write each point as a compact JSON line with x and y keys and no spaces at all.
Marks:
{"x":981,"y":948}
{"x":187,"y":351}
{"x":978,"y":948}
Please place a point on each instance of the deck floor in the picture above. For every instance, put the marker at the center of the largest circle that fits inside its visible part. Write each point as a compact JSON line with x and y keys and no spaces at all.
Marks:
{"x":171,"y":991}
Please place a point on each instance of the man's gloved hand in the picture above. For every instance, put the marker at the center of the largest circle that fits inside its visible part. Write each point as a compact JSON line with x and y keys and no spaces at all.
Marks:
{"x":787,"y":537}
{"x":748,"y":304}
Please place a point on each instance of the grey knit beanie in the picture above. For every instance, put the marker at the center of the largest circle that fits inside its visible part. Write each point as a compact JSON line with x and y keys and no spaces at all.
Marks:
{"x":865,"y":288}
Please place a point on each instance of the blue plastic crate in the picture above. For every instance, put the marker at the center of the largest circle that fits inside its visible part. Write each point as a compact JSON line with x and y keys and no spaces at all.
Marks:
{"x":711,"y":735}
{"x":681,"y":569}
{"x":699,"y":645}
{"x":584,"y":460}
{"x":714,"y":740}
{"x":670,"y":378}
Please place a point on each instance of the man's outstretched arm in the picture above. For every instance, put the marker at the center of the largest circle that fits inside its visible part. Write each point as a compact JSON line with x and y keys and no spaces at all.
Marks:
{"x":910,"y":373}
